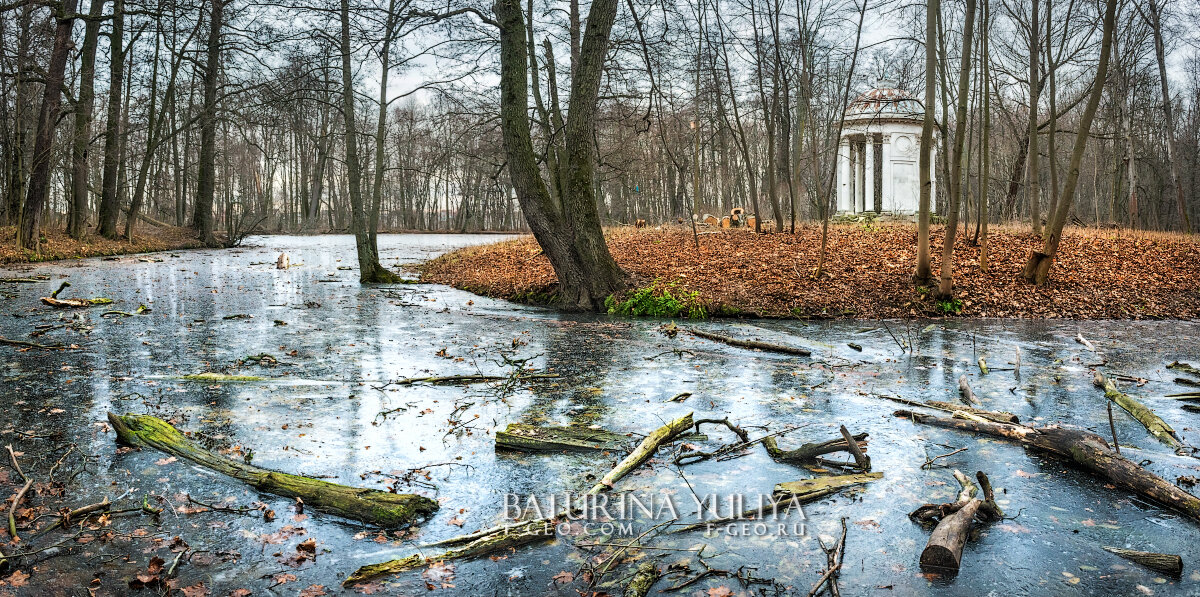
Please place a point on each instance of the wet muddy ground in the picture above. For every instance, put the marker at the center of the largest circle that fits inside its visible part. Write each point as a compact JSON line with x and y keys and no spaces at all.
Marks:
{"x":327,"y":410}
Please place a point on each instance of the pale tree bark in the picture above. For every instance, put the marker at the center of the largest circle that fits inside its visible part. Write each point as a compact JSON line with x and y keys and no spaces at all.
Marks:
{"x":924,"y":274}
{"x":946,"y":283}
{"x":568,"y":232}
{"x":1037,"y":268}
{"x":43,"y":143}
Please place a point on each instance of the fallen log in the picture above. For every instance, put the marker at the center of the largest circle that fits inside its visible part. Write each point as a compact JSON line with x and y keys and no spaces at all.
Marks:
{"x":1186,"y":368}
{"x":75,"y":303}
{"x":371,"y":506}
{"x":790,"y":494}
{"x":467,"y":379}
{"x":1087,"y":450}
{"x":643,"y":452}
{"x":643,"y":579}
{"x":964,"y":390}
{"x":536,"y":438}
{"x":26,"y":344}
{"x":500,"y":539}
{"x":944,"y":550}
{"x":950,"y":407}
{"x":216,"y":377}
{"x":1187,"y":382}
{"x":991,"y":415}
{"x":755,"y":344}
{"x":945,"y":546}
{"x":1166,"y":563}
{"x":809,"y":452}
{"x":1153,"y":423}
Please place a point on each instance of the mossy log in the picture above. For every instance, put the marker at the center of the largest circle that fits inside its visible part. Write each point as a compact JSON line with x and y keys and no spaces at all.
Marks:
{"x":791,"y":493}
{"x":1153,"y":423}
{"x":1085,"y":449}
{"x":643,"y":579}
{"x":1167,"y":563}
{"x":644,"y":451}
{"x":808,"y":489}
{"x":502,"y":539}
{"x":809,"y":452}
{"x":1187,"y":382}
{"x":536,"y":438}
{"x":388,"y":510}
{"x":754,"y":344}
{"x":1186,"y":368}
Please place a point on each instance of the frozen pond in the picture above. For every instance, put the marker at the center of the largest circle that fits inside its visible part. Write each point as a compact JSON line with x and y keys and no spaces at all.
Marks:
{"x":326,"y":411}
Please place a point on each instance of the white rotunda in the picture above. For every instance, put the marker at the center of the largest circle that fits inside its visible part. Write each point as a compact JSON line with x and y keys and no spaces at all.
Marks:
{"x":878,"y":153}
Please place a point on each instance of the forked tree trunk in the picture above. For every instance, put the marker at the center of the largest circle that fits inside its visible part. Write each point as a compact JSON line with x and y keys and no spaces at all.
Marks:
{"x":369,"y":268}
{"x":1037,"y":268}
{"x":568,"y":230}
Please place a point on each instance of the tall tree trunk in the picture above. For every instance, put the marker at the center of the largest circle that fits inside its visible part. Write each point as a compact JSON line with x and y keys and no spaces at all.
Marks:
{"x":985,"y":183}
{"x":946,"y":283}
{"x":1155,"y":19}
{"x":110,"y":199}
{"x":152,"y":130}
{"x":39,"y":173}
{"x":1037,"y":268}
{"x":84,"y":107}
{"x":570,"y":235}
{"x":369,"y":269}
{"x":1032,"y":186}
{"x":206,"y":185}
{"x":924,"y":274}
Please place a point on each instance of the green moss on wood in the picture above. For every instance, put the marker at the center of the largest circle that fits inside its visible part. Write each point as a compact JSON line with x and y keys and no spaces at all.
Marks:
{"x":388,"y":510}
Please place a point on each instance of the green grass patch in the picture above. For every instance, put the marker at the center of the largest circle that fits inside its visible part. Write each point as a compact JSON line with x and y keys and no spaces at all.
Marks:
{"x":659,"y":300}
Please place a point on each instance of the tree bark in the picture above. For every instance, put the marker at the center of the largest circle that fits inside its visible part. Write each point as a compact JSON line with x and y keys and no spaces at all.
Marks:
{"x":370,"y":271}
{"x":1037,"y":268}
{"x":924,"y":274}
{"x":84,"y":108}
{"x":946,"y":283}
{"x":39,"y":173}
{"x":206,"y":186}
{"x":1155,"y":19}
{"x":569,"y":233}
{"x":110,"y":199}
